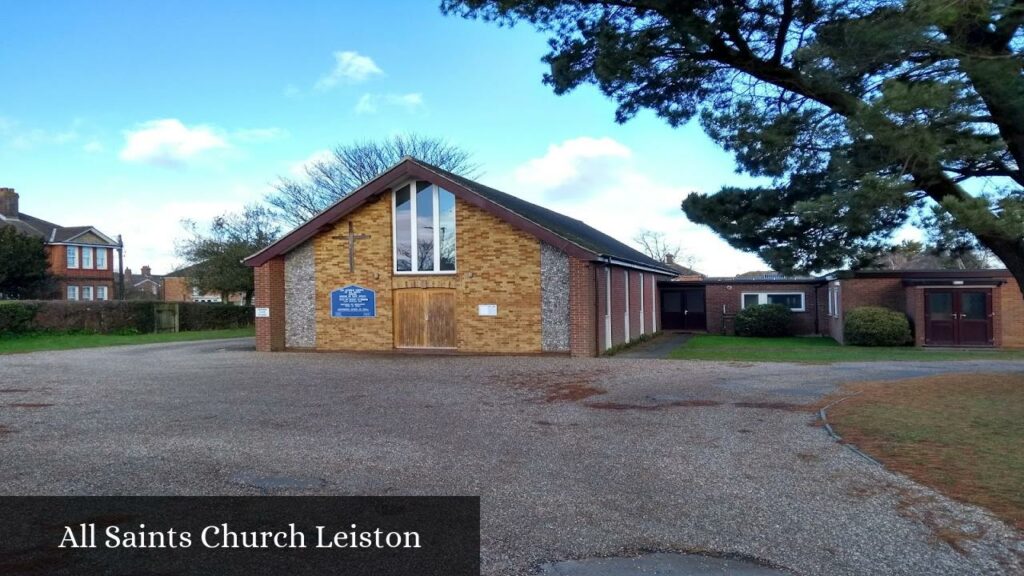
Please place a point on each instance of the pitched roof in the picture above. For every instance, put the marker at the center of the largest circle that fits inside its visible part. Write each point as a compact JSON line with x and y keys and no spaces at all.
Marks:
{"x":48,"y":231}
{"x":568,"y":234}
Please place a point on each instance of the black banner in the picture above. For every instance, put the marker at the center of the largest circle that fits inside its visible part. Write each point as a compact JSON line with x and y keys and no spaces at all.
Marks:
{"x":281,"y":535}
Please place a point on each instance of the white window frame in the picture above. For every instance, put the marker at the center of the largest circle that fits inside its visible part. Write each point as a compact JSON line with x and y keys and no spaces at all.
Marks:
{"x":625,"y":313}
{"x":71,"y":257}
{"x":87,"y":263}
{"x":607,"y":308}
{"x":762,"y":298}
{"x":72,"y":292}
{"x":411,"y":185}
{"x":654,"y":304}
{"x":102,"y":293}
{"x":101,"y":265}
{"x":642,"y":330}
{"x":87,"y":290}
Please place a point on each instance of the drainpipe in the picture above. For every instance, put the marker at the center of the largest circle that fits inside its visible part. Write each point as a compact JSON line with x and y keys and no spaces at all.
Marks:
{"x":120,"y":267}
{"x":598,"y":320}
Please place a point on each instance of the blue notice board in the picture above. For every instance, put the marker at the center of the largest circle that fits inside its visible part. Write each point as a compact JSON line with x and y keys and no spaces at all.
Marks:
{"x":353,"y":302}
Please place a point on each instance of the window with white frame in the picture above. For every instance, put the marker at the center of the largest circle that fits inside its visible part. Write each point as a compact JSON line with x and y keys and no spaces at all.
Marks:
{"x":792,"y":300}
{"x":72,"y":292}
{"x":101,"y":292}
{"x":86,"y":292}
{"x":86,"y":257}
{"x":833,"y":301}
{"x":101,"y":258}
{"x":424,"y":226}
{"x":72,"y":256}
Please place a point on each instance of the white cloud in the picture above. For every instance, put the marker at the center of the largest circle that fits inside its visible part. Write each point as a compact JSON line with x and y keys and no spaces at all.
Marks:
{"x":372,"y":103}
{"x":597,"y":180}
{"x":349,"y":68}
{"x":169,"y":142}
{"x":93,"y":147}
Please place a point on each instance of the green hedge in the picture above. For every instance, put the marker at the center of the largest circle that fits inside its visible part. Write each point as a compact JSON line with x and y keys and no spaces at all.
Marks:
{"x":765,"y":320}
{"x":876,"y":326}
{"x":114,"y":317}
{"x":209,"y":316}
{"x":16,"y":317}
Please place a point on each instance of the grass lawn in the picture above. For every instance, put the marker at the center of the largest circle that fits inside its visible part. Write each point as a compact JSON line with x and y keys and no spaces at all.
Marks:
{"x":961,"y":434}
{"x":38,"y":342}
{"x":814,"y":350}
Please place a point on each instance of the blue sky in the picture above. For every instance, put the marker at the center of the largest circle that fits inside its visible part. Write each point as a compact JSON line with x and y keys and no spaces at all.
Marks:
{"x":131,"y":116}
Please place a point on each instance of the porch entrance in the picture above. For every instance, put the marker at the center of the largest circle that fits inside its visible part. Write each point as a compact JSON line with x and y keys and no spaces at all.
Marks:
{"x":961,"y":317}
{"x":424,"y":318}
{"x":683,"y":309}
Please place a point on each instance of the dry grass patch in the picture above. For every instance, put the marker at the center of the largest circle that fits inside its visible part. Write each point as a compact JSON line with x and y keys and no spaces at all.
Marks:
{"x":959,"y":433}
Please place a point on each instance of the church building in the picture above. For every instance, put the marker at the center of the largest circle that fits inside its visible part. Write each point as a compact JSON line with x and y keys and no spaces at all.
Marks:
{"x":420,"y":259}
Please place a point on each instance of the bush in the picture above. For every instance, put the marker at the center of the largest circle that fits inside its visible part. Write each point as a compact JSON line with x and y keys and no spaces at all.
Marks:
{"x":209,"y":316}
{"x":765,"y":320}
{"x":876,"y":326}
{"x":16,"y":317}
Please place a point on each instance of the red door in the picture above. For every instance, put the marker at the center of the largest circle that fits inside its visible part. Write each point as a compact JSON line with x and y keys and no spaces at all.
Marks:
{"x":961,"y":317}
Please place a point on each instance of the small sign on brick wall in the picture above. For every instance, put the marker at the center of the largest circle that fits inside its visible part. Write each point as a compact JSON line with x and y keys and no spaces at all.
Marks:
{"x":353,"y":301}
{"x":487,"y":310}
{"x":262,"y":312}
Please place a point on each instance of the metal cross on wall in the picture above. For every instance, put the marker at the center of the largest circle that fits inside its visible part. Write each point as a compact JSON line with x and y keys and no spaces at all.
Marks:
{"x":352,"y":237}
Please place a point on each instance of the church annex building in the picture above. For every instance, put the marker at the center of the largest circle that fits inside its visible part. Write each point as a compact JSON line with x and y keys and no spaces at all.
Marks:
{"x":423,"y":259}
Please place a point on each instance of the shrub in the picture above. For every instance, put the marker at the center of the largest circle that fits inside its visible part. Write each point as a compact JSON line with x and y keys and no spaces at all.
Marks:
{"x":876,"y":326}
{"x":17,"y":317}
{"x":771,"y":320}
{"x":209,"y":316}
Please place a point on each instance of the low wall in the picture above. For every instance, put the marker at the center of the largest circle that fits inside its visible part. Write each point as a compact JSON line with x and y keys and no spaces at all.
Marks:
{"x":17,"y":317}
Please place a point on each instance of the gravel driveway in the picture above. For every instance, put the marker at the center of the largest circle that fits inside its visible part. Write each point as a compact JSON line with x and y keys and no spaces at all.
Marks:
{"x":573,"y":458}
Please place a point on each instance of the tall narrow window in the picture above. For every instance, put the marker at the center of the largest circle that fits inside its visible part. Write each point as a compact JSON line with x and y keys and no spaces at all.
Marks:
{"x":72,"y":257}
{"x":101,"y":292}
{"x":403,"y":230}
{"x":72,"y":292}
{"x":446,"y":229}
{"x":86,"y":257}
{"x":101,"y":258}
{"x":424,"y":229}
{"x":86,"y":292}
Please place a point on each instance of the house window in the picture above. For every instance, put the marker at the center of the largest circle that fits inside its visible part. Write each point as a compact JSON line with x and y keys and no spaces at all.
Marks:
{"x":86,"y":292}
{"x":101,"y":258}
{"x":792,"y":300}
{"x":833,"y":301}
{"x":424,"y":224}
{"x":72,"y":256}
{"x":72,"y":292}
{"x":101,"y":292}
{"x":86,"y":257}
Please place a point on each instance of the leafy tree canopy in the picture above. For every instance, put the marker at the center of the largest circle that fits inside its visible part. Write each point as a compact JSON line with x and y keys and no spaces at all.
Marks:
{"x":215,"y":251}
{"x":23,"y":265}
{"x":349,"y":166}
{"x":859,"y":115}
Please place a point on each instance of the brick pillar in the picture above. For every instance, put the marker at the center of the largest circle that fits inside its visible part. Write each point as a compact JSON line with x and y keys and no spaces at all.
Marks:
{"x":583,"y":331}
{"x":269,"y":293}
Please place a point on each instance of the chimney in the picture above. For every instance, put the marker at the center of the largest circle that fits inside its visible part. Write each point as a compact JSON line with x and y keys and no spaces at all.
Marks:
{"x":8,"y":203}
{"x":145,"y":271}
{"x":670,"y":259}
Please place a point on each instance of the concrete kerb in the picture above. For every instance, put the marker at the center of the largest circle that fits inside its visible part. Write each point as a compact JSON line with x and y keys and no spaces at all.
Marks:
{"x":823,"y":414}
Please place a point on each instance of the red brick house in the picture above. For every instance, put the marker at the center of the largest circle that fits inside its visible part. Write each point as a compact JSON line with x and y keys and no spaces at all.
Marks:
{"x":81,"y":257}
{"x":423,"y":259}
{"x":981,"y":308}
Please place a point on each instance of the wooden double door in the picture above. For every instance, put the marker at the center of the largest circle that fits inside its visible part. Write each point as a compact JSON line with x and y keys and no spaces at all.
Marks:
{"x":683,"y":309}
{"x":425,"y":318}
{"x":958,"y":317}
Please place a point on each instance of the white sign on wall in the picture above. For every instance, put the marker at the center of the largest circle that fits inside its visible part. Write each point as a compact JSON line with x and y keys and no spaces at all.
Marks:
{"x":487,"y":310}
{"x":263,"y":312}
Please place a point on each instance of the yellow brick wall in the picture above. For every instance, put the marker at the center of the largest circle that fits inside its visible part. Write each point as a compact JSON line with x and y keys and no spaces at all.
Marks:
{"x":497,"y":264}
